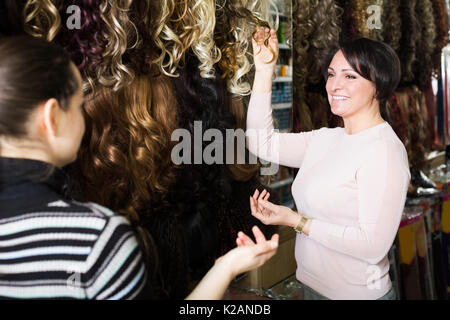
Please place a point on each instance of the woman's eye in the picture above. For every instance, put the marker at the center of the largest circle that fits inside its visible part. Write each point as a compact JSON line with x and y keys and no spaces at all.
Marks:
{"x":349,"y":76}
{"x":330,"y":75}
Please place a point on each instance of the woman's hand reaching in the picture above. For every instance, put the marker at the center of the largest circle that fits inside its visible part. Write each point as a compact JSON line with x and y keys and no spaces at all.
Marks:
{"x":272,"y":214}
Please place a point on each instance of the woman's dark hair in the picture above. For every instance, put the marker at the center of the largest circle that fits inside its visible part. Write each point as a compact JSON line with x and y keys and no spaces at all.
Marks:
{"x":374,"y":61}
{"x":31,"y":71}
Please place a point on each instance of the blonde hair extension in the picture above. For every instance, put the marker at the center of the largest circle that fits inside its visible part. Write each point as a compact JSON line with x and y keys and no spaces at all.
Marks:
{"x":41,"y":19}
{"x":120,"y":34}
{"x":204,"y":46}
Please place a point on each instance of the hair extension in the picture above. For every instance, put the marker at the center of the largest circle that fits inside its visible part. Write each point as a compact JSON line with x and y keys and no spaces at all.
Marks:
{"x":426,"y":44}
{"x":85,"y":45}
{"x":203,"y":45}
{"x":41,"y":19}
{"x":120,"y":34}
{"x":392,"y":24}
{"x":125,"y":157}
{"x":431,"y":107}
{"x":404,"y":105}
{"x":442,"y":26}
{"x":235,"y":23}
{"x":358,"y":9}
{"x":349,"y":31}
{"x":326,"y":20}
{"x":411,"y":33}
{"x":11,"y":17}
{"x":397,"y":118}
{"x":302,"y":12}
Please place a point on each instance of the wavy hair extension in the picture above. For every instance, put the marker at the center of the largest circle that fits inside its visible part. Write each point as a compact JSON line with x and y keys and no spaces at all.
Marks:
{"x":327,"y":21}
{"x":397,"y":118}
{"x":358,"y":9}
{"x":303,"y":28}
{"x":235,"y":24}
{"x":85,"y":45}
{"x":11,"y":17}
{"x":442,"y":26}
{"x":120,"y":34}
{"x":348,"y":32}
{"x":392,"y":24}
{"x":41,"y":19}
{"x":426,"y":44}
{"x":410,"y":36}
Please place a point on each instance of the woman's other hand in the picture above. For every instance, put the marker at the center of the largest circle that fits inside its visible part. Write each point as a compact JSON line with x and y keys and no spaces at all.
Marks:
{"x":272,"y":214}
{"x":249,"y":255}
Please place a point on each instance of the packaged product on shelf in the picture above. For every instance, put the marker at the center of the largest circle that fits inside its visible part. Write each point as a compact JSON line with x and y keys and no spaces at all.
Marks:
{"x":445,"y":224}
{"x":409,"y":265}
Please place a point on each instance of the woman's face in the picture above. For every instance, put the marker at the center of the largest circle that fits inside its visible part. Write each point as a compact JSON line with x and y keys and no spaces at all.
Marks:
{"x":73,"y":126}
{"x":348,"y":92}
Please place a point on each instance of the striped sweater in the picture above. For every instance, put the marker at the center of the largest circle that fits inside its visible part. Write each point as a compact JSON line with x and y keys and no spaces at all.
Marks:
{"x":54,"y":248}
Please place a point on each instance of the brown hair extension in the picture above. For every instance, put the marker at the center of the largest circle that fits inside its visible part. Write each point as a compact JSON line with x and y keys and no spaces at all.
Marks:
{"x":425,"y":45}
{"x":41,"y":19}
{"x":125,"y":157}
{"x":397,"y":118}
{"x":359,"y":14}
{"x":120,"y":34}
{"x":302,"y":11}
{"x":392,"y":24}
{"x":234,"y":25}
{"x":326,"y":20}
{"x":410,"y":35}
{"x":442,"y":26}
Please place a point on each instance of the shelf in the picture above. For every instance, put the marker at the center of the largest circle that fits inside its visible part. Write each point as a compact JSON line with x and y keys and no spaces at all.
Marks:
{"x":284,"y":46}
{"x":279,"y":106}
{"x":281,"y":183}
{"x":282,"y":79}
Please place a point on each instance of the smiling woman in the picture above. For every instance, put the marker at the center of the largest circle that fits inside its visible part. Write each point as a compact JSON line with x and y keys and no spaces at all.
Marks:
{"x":343,"y":217}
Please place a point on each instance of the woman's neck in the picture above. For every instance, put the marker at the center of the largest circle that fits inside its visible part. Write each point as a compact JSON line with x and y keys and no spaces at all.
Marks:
{"x":24,"y":150}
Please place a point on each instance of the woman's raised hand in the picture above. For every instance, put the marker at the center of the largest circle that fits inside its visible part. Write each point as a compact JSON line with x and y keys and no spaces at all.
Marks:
{"x":271,"y":214}
{"x":265,"y":53}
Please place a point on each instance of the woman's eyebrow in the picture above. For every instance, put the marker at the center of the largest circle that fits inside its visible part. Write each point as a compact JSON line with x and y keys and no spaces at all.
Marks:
{"x":330,"y":68}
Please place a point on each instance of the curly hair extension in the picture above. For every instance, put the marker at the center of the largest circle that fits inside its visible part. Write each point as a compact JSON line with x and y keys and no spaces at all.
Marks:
{"x":125,"y":157}
{"x":11,"y":17}
{"x":85,"y":45}
{"x":204,"y":46}
{"x":326,"y":20}
{"x":442,"y":26}
{"x":41,"y":19}
{"x":358,"y":9}
{"x":423,"y":67}
{"x":235,"y":23}
{"x":411,"y":34}
{"x":303,"y":28}
{"x":392,"y":24}
{"x":120,"y":34}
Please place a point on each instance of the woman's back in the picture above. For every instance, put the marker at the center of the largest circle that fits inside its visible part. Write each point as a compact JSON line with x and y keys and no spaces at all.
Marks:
{"x":54,"y":248}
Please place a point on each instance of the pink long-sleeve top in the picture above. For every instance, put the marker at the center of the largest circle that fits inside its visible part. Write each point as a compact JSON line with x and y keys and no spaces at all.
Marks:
{"x":353,"y":187}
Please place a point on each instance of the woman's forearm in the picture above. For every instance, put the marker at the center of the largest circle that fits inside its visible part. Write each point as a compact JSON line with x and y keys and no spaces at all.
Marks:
{"x":214,"y":284}
{"x":262,"y":82}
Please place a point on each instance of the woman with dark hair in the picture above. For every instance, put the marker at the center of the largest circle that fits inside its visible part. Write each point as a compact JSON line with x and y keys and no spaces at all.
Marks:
{"x":351,"y":187}
{"x":50,"y":246}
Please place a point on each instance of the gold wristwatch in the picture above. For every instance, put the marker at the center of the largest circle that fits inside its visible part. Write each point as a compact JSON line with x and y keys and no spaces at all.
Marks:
{"x":301,"y":224}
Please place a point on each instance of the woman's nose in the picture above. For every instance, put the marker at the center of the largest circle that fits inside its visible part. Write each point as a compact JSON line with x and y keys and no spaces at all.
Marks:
{"x":335,"y":83}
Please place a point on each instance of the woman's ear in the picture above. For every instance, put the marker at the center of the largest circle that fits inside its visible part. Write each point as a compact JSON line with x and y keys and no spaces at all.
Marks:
{"x":49,"y":116}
